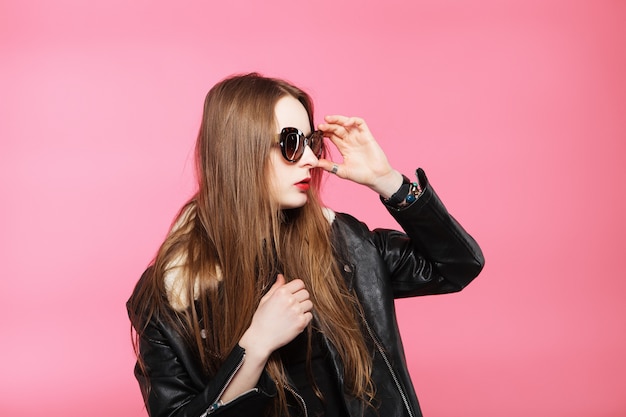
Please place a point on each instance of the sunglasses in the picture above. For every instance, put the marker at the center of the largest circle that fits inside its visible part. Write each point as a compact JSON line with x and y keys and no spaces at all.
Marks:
{"x":292,"y":143}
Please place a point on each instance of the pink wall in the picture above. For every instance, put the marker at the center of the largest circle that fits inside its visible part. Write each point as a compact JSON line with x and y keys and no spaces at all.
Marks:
{"x":515,"y":109}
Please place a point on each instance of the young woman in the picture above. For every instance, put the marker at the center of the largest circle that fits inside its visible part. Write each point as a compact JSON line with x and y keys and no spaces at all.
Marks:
{"x":262,"y":302}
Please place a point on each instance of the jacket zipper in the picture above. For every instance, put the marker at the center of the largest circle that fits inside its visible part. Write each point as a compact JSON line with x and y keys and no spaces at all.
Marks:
{"x":217,"y":402}
{"x":299,"y":398}
{"x":389,"y":367}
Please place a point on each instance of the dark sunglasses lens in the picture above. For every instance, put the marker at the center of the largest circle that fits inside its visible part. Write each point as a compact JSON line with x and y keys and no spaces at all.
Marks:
{"x":292,"y":146}
{"x":316,"y":143}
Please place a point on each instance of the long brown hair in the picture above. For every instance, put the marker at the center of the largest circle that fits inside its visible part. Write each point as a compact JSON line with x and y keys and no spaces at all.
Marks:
{"x":230,"y":240}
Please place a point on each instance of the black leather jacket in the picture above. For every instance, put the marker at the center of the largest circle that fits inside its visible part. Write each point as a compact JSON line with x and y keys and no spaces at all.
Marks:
{"x":434,"y":256}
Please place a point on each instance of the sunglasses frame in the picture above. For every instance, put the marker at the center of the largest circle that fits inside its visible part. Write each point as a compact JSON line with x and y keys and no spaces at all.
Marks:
{"x":303,"y":142}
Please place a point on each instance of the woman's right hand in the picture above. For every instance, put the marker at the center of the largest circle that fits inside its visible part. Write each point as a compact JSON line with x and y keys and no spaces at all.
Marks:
{"x":282,"y":314}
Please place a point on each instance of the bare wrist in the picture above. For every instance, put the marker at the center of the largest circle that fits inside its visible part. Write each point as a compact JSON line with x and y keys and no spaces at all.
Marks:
{"x":387,"y":185}
{"x":254,"y":350}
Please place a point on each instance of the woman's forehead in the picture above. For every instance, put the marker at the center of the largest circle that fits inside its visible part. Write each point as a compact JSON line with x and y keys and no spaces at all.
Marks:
{"x":291,"y":113}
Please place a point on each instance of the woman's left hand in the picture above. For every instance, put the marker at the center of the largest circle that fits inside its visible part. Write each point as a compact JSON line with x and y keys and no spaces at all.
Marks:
{"x":364,"y":161}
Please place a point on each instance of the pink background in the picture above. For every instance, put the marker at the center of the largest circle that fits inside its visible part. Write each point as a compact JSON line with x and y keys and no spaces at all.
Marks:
{"x":516,"y":109}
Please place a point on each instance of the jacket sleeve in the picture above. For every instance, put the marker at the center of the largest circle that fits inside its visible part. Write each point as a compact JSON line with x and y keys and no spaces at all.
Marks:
{"x":172,"y":385}
{"x":435,"y":255}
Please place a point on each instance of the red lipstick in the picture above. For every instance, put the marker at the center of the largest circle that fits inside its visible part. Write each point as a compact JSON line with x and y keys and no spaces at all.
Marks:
{"x":304,"y":184}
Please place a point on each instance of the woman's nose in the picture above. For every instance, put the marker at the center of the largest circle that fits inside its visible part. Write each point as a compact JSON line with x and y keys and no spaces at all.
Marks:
{"x":308,"y":157}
